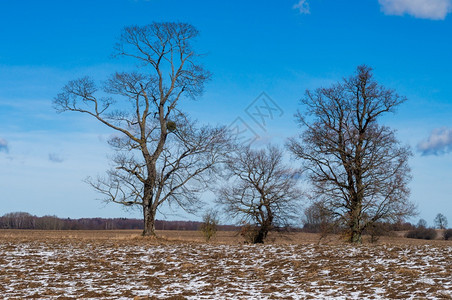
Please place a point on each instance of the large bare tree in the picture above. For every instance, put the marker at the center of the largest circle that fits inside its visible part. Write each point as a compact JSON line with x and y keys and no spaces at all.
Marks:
{"x":261,"y":190}
{"x":356,"y":166}
{"x":160,"y":154}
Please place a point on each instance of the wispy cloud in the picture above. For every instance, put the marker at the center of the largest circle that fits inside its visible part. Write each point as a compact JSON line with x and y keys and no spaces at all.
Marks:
{"x":439,"y":142}
{"x":4,"y":145}
{"x":53,"y":157}
{"x":302,"y":6}
{"x":424,"y":9}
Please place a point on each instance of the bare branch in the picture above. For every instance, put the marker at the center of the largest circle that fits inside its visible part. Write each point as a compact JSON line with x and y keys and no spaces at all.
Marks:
{"x":260,"y":189}
{"x":356,"y":166}
{"x":153,"y":164}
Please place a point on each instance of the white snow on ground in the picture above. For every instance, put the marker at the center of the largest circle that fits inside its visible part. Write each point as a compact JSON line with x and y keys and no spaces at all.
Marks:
{"x":112,"y":270}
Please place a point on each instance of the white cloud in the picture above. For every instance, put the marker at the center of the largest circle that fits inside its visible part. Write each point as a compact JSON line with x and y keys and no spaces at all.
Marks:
{"x":3,"y":145}
{"x":302,"y":6}
{"x":424,"y":9}
{"x":439,"y":142}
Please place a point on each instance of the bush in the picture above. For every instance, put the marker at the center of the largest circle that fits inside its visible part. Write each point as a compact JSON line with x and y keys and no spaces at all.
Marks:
{"x":209,"y":225}
{"x":249,"y":233}
{"x":378,"y":229}
{"x":422,"y":233}
{"x":448,"y":234}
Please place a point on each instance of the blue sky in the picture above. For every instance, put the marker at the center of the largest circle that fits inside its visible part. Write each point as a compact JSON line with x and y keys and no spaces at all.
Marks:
{"x":281,"y":48}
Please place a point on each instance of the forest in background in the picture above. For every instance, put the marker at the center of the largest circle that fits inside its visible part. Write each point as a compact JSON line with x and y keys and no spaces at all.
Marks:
{"x":23,"y":220}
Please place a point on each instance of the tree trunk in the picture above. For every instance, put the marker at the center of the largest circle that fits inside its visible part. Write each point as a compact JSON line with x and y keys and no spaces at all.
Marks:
{"x":260,"y":236}
{"x":149,"y":221}
{"x":149,"y":209}
{"x":355,"y":236}
{"x":262,"y":232}
{"x":355,"y":229}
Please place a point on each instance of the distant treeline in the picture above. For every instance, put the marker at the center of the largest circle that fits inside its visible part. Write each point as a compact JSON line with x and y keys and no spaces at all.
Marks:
{"x":379,"y":228}
{"x":23,"y":220}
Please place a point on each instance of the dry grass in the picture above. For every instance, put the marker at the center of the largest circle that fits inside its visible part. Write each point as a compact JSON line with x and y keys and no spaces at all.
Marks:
{"x":179,"y":265}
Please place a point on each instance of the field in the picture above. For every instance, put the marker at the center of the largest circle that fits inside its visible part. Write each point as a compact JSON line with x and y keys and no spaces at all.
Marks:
{"x":123,"y":265}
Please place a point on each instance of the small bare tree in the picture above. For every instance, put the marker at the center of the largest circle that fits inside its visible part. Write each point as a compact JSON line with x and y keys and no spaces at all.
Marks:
{"x":320,"y":219}
{"x":261,"y":190}
{"x":440,"y":221}
{"x":357,"y":167}
{"x":421,"y":223}
{"x":161,"y":156}
{"x":209,"y":225}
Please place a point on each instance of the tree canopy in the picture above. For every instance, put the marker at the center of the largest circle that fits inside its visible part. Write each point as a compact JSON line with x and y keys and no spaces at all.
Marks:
{"x":357,"y":168}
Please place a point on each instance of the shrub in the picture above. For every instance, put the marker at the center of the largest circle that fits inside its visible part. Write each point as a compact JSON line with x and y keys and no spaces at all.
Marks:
{"x":422,"y":233}
{"x":448,"y":234}
{"x":209,"y":225}
{"x":378,"y":229}
{"x":249,"y":233}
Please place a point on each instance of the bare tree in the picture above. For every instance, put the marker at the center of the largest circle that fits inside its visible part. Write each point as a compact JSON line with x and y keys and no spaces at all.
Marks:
{"x":159,"y":151}
{"x":357,"y":167}
{"x":421,"y":223}
{"x":49,"y":223}
{"x":209,"y":225}
{"x":319,"y":219}
{"x":440,"y":221}
{"x":261,"y":190}
{"x":18,"y":220}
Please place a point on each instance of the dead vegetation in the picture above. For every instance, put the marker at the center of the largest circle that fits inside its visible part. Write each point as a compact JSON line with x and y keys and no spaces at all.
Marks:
{"x":121,"y":264}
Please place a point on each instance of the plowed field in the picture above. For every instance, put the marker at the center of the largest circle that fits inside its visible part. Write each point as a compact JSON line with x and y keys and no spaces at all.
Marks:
{"x":121,"y":265}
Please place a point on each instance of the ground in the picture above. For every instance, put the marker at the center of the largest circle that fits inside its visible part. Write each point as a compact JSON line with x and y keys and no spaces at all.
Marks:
{"x":123,"y":265}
